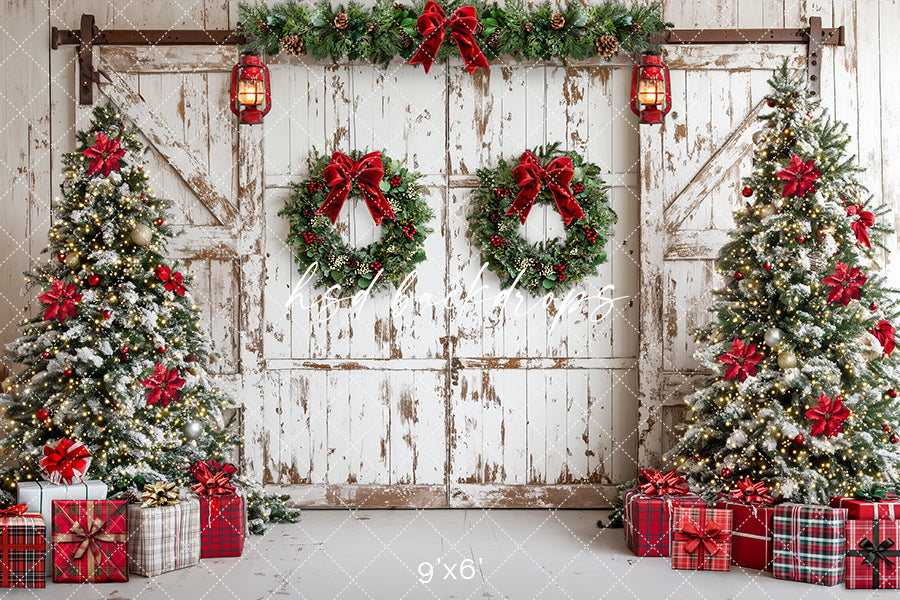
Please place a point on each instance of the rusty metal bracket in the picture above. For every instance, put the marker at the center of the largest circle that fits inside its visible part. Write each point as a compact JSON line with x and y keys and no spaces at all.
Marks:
{"x":831,"y":37}
{"x":89,"y":36}
{"x":817,"y":38}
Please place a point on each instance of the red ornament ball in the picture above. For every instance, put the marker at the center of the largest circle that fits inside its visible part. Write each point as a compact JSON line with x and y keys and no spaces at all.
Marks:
{"x":61,"y":257}
{"x":696,"y":458}
{"x":768,"y":266}
{"x":738,"y":275}
{"x":162,"y":349}
{"x":747,"y":192}
{"x":93,"y":279}
{"x":67,"y":372}
{"x":42,"y":414}
{"x":726,"y":472}
{"x":106,"y":314}
{"x":45,"y":355}
{"x":886,"y":428}
{"x":801,"y":239}
{"x":892,"y":393}
{"x":158,"y":222}
{"x":770,"y":103}
{"x":799,"y":439}
{"x":895,"y":439}
{"x":873,"y":306}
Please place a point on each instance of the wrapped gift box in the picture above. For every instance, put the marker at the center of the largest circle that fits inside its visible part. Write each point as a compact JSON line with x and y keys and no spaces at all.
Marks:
{"x":90,"y":541}
{"x":648,"y":521}
{"x":701,"y":539}
{"x":164,"y":538}
{"x":23,"y":546}
{"x":872,"y":554}
{"x":809,"y":543}
{"x":866,"y":510}
{"x":223,"y":524}
{"x":751,"y":534}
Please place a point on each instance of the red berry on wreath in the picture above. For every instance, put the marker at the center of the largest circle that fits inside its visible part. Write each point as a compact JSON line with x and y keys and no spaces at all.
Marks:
{"x":409,"y":230}
{"x":375,"y":267}
{"x":158,"y":222}
{"x":747,"y":192}
{"x":892,"y":393}
{"x":395,"y":181}
{"x":577,"y":187}
{"x":311,"y":187}
{"x":738,"y":275}
{"x":307,"y":213}
{"x":726,"y":472}
{"x":560,"y":271}
{"x":494,"y":218}
{"x":351,"y":263}
{"x":799,"y":438}
{"x":106,"y":314}
{"x":67,"y":371}
{"x":93,"y":279}
{"x":61,"y":257}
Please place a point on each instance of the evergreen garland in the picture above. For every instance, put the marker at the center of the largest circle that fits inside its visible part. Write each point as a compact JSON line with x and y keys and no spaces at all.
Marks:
{"x":388,"y":29}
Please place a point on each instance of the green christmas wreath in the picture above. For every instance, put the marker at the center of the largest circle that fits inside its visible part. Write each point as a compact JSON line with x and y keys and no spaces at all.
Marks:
{"x":381,"y":263}
{"x":553,"y":265}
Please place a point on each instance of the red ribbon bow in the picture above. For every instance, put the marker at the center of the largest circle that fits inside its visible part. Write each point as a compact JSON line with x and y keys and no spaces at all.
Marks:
{"x":66,"y":463}
{"x":530,"y":174}
{"x":16,"y":510}
{"x":211,"y":483}
{"x":462,"y":23}
{"x":340,"y":175}
{"x":748,"y":492}
{"x":709,"y":537}
{"x":654,"y":483}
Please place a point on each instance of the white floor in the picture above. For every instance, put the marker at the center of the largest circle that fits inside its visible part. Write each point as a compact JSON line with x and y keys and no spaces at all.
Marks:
{"x":514,"y":554}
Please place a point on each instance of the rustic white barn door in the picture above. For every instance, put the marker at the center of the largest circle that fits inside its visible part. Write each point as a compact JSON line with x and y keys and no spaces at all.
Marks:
{"x":691,"y":169}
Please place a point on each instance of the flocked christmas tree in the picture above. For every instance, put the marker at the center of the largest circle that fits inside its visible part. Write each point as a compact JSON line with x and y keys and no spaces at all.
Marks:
{"x":115,"y":356}
{"x":803,"y":393}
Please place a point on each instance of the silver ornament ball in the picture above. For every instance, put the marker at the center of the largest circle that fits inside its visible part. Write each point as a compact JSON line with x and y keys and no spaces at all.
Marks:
{"x":141,"y":234}
{"x":192,"y":430}
{"x":773,"y":337}
{"x":787,"y":360}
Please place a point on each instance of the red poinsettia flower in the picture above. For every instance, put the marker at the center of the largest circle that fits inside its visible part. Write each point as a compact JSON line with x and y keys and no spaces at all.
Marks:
{"x":884,"y":331}
{"x":171,"y":281}
{"x":828,"y":416}
{"x":163,"y":386}
{"x":741,"y":360}
{"x":864,"y":220}
{"x":844,"y":284}
{"x":60,"y":300}
{"x":104,"y":155}
{"x":800,"y":177}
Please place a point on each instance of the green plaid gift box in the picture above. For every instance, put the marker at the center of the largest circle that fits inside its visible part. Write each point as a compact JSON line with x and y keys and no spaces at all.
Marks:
{"x":164,"y":538}
{"x":809,"y":543}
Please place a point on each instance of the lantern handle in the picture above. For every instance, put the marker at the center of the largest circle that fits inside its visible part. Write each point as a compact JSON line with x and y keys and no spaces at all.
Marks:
{"x":268,"y":89}
{"x":233,"y":103}
{"x":668,"y":88}
{"x":634,"y":94}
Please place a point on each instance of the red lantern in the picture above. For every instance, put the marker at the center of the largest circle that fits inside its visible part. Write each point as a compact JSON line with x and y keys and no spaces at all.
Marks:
{"x":651,"y":89}
{"x":249,"y":89}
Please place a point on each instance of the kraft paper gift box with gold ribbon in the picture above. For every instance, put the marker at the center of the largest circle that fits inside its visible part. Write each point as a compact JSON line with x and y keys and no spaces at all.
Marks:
{"x":23,"y":547}
{"x":90,"y":541}
{"x":164,"y":538}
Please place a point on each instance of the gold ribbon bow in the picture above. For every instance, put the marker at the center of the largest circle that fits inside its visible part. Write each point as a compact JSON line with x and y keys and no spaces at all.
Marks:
{"x":89,"y":540}
{"x":160,"y":494}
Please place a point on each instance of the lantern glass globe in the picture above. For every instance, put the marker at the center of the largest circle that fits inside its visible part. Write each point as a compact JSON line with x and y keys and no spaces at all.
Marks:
{"x":651,"y":91}
{"x":251,"y":92}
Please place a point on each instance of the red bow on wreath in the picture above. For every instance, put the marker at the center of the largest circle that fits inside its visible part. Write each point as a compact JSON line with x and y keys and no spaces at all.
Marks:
{"x":462,"y":23}
{"x":530,"y":174}
{"x":708,"y":538}
{"x":211,"y":481}
{"x":748,"y":492}
{"x":340,"y":175}
{"x":654,"y":483}
{"x":66,"y":463}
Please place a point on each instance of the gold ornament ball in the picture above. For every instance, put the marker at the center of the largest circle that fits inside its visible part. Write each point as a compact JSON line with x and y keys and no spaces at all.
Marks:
{"x":72,"y":259}
{"x":787,"y":360}
{"x":141,"y":234}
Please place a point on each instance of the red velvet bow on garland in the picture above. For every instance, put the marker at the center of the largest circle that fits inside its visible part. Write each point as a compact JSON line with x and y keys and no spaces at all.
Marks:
{"x":462,"y":23}
{"x":654,"y":483}
{"x":67,"y":462}
{"x":707,"y":539}
{"x":530,"y":174}
{"x":212,"y":479}
{"x":748,"y":492}
{"x":16,"y":510}
{"x":340,"y":175}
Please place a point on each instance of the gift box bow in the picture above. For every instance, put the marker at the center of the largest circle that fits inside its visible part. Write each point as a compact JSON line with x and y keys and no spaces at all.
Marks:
{"x":748,"y":492}
{"x":210,"y":483}
{"x":876,"y":493}
{"x":872,"y":554}
{"x":654,"y":483}
{"x":16,"y":510}
{"x":160,"y":494}
{"x":708,"y":538}
{"x":67,"y":462}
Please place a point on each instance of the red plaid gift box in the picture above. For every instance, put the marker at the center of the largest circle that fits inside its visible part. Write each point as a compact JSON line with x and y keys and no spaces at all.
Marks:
{"x":701,"y":539}
{"x":867,"y":510}
{"x":648,"y":521}
{"x":751,"y":534}
{"x":90,"y":541}
{"x":223,"y":524}
{"x":809,"y":543}
{"x":23,"y":542}
{"x":872,"y":554}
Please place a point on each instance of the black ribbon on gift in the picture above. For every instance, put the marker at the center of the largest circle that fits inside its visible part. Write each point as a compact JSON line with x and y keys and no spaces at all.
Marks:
{"x":873,"y":554}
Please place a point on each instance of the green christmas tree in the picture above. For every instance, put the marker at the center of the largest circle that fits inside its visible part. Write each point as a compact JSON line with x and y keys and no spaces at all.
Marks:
{"x":802,"y":395}
{"x":115,"y":357}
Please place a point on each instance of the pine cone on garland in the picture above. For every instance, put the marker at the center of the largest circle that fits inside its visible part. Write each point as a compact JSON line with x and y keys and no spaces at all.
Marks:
{"x":529,"y":27}
{"x":292,"y":45}
{"x":341,"y":21}
{"x":494,"y":40}
{"x":131,"y":496}
{"x":636,"y":26}
{"x":399,"y":6}
{"x":557,"y":21}
{"x":479,"y":29}
{"x":817,"y":262}
{"x":263,"y":27}
{"x":405,"y":39}
{"x":606,"y":45}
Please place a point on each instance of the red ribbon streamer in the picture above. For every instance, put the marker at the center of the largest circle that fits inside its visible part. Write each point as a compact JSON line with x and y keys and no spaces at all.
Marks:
{"x":654,"y":483}
{"x":462,"y":23}
{"x":708,"y":538}
{"x":530,"y":174}
{"x":748,"y":492}
{"x":342,"y":173}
